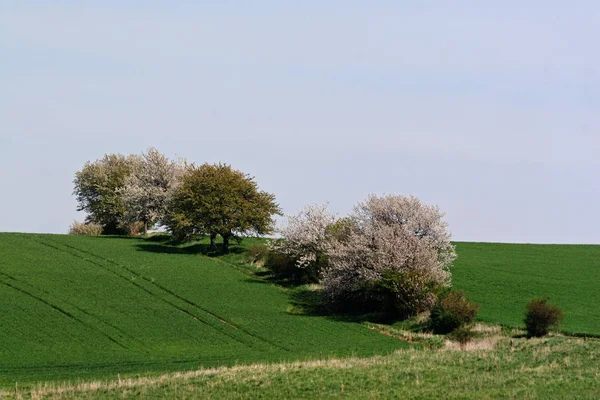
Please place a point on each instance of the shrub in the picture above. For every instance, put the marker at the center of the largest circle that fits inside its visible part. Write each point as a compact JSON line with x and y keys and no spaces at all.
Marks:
{"x":540,"y":316}
{"x":81,"y":228}
{"x":385,"y":235}
{"x":257,"y":253}
{"x":133,"y":228}
{"x":451,"y":311}
{"x":284,"y":266}
{"x":462,"y":335}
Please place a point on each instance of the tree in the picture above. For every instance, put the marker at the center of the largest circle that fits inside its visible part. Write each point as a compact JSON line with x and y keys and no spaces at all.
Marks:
{"x":216,"y":199}
{"x":396,"y":243}
{"x":146,"y":190}
{"x":306,"y":240}
{"x":97,"y":189}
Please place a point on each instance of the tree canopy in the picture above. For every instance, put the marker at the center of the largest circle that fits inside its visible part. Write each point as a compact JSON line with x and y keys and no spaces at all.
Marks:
{"x":146,"y":190}
{"x":97,"y":189}
{"x":216,"y":199}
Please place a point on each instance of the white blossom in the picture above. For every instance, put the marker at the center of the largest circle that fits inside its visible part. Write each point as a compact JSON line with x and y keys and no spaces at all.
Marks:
{"x":146,"y":191}
{"x":391,"y":233}
{"x":305,"y":235}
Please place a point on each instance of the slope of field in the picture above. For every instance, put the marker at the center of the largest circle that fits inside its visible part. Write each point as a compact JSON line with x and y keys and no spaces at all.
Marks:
{"x":75,"y":307}
{"x":93,"y":307}
{"x":502,"y":278}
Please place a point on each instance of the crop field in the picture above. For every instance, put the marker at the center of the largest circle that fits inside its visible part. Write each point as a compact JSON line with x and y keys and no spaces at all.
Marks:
{"x":85,"y":307}
{"x":77,"y":307}
{"x":502,"y":278}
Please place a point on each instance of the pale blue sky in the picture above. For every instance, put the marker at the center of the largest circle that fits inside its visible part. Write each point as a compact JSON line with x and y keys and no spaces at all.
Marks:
{"x":490,"y":110}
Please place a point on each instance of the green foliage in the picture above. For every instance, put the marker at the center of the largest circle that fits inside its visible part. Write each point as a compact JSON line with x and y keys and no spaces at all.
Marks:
{"x":451,"y":311}
{"x":462,"y":334}
{"x":341,"y":229}
{"x":284,"y":267}
{"x":541,"y":316}
{"x":97,"y":186}
{"x":82,"y":228}
{"x":216,"y":199}
{"x":502,"y":277}
{"x":256,"y":253}
{"x":81,"y":306}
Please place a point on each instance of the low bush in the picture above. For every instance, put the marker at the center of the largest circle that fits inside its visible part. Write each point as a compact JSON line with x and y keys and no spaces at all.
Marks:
{"x":283,"y":266}
{"x":83,"y":228}
{"x":451,"y":311}
{"x":133,"y":228}
{"x":540,"y":316}
{"x":257,"y":253}
{"x":462,"y":334}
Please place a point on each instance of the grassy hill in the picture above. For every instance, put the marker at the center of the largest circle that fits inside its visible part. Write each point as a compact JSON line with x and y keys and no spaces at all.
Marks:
{"x":94,"y":307}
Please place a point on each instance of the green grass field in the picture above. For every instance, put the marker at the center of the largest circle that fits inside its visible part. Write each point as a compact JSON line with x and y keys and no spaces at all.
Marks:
{"x":85,"y":307}
{"x":93,"y":307}
{"x":502,"y":278}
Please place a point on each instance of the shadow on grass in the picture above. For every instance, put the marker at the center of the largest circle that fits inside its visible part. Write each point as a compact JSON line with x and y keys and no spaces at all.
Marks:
{"x":267,"y":278}
{"x":313,"y":302}
{"x":165,"y":244}
{"x":520,"y":336}
{"x":117,"y":237}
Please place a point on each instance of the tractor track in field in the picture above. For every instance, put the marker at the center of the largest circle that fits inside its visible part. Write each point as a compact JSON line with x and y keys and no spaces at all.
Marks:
{"x":191,"y":303}
{"x":185,"y":300}
{"x":149,"y":292}
{"x":167,"y":291}
{"x":83,"y":311}
{"x":62,"y":311}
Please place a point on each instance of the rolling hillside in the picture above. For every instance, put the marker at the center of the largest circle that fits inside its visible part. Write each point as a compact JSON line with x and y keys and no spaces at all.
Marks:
{"x":94,"y":306}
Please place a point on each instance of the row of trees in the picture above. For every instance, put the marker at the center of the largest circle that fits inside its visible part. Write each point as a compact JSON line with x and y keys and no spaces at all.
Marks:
{"x":392,"y":254}
{"x":121,"y":192}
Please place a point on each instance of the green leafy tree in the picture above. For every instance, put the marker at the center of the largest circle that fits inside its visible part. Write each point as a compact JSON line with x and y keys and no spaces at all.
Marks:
{"x":97,"y":190}
{"x":216,"y":199}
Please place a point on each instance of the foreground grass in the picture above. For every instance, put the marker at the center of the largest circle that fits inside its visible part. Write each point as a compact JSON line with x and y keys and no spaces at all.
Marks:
{"x":495,"y":366}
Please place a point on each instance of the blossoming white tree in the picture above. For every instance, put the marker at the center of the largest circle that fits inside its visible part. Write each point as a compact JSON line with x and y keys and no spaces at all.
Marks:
{"x":392,"y":234}
{"x":306,"y":234}
{"x":306,"y":240}
{"x":146,"y":191}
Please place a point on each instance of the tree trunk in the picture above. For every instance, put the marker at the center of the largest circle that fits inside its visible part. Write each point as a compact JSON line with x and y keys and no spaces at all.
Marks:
{"x":225,"y":243}
{"x":145,"y":227}
{"x":213,"y":240}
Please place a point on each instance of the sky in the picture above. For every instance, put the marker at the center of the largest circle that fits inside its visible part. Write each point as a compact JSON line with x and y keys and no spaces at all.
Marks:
{"x":490,"y":110}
